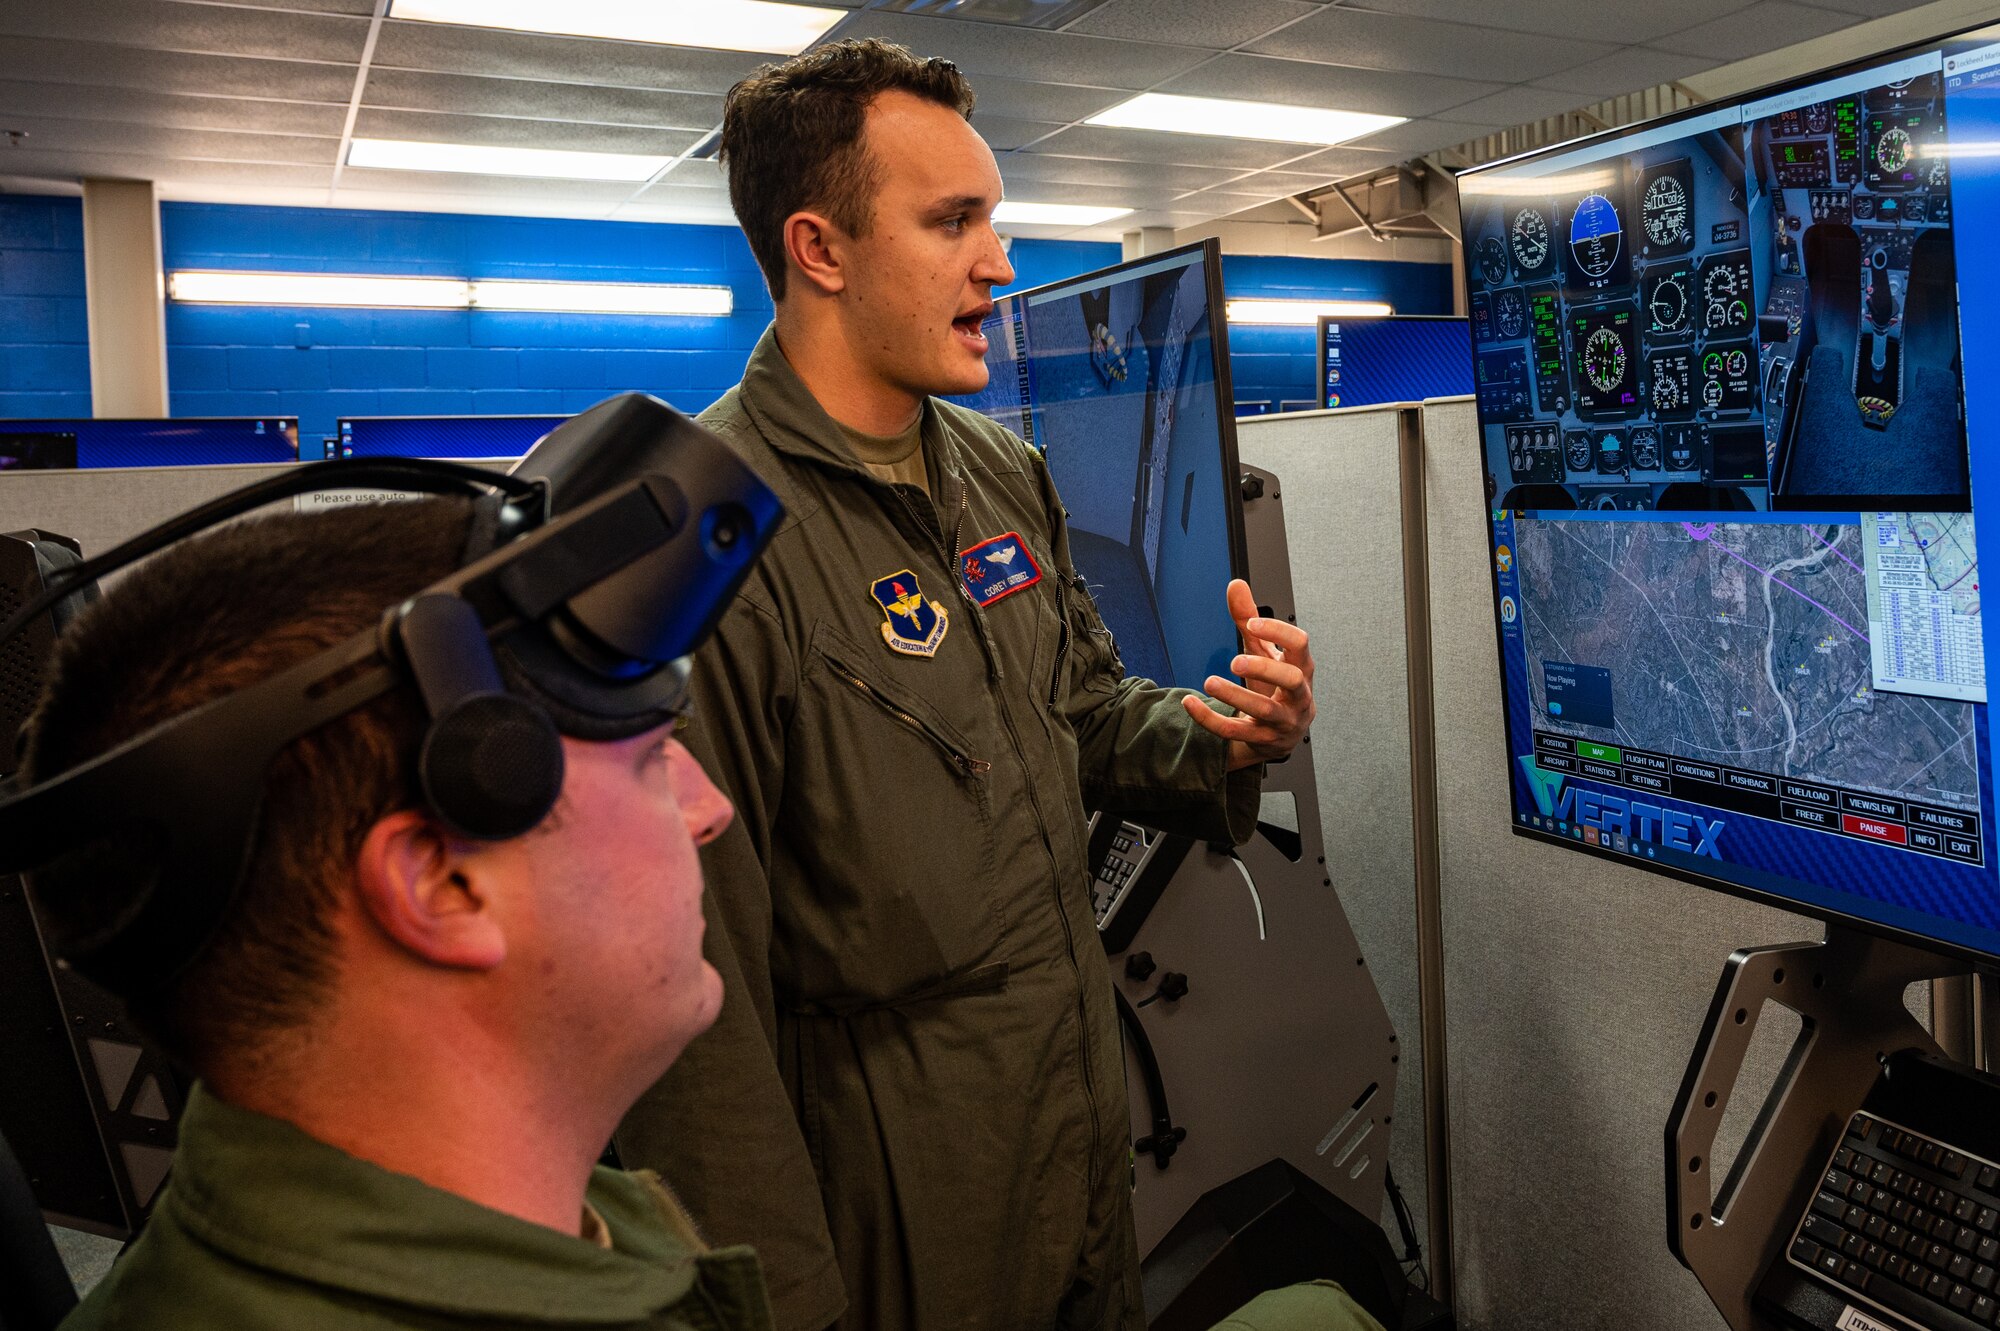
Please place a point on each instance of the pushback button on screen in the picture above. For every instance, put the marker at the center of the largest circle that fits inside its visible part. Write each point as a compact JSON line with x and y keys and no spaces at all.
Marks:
{"x":1759,"y":782}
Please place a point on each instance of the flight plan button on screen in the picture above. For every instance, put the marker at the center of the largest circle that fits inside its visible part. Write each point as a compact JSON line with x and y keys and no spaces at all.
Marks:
{"x":1578,"y":693}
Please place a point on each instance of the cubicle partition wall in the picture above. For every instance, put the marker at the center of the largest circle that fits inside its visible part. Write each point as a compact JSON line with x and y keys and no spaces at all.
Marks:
{"x":1575,"y":989}
{"x":1338,"y":481}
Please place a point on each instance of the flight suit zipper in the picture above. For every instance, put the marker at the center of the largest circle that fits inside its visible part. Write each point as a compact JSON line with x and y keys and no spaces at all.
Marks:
{"x":1084,"y":1052}
{"x":963,"y":761}
{"x":1062,"y":642}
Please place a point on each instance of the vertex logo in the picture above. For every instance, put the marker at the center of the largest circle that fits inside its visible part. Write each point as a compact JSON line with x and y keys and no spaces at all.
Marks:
{"x":1671,"y":828}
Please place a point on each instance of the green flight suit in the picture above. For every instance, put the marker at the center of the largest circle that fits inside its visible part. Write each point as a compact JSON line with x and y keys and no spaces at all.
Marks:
{"x":262,"y":1226}
{"x":913,"y":1105}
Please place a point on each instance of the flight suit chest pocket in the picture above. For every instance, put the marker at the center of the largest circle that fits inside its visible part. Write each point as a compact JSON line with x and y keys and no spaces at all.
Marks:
{"x":1086,"y":655}
{"x":892,"y":803}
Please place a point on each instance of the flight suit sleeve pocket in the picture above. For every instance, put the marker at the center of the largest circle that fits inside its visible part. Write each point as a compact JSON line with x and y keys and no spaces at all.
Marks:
{"x":1090,"y":655}
{"x":892,"y":809}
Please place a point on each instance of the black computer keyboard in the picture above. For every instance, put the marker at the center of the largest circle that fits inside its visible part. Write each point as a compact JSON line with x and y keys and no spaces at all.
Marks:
{"x":1907,"y":1224}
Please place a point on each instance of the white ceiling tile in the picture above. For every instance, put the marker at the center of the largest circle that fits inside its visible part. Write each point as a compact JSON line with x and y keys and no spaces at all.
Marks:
{"x":110,"y":136}
{"x":1102,"y":194}
{"x":1301,"y":83}
{"x":1629,"y":70}
{"x":1628,"y":22}
{"x":1061,"y":102}
{"x":365,"y":8}
{"x":1047,"y":57}
{"x":360,"y":180}
{"x":163,"y":25}
{"x":71,"y":101}
{"x":512,"y":132}
{"x":1340,"y":35}
{"x":539,"y":99}
{"x":73,"y":165}
{"x":1765,"y":26}
{"x":1870,"y":8}
{"x":1340,"y":163}
{"x":1518,"y":106}
{"x":1024,"y":168}
{"x":696,"y":172}
{"x":1139,"y":145}
{"x":93,"y":65}
{"x":1414,"y":138}
{"x":1003,"y":135}
{"x":1192,"y":22}
{"x":443,"y":49}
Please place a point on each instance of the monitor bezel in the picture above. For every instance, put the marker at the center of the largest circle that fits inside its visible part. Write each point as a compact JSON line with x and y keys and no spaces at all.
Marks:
{"x":1981,"y":34}
{"x":1210,"y":250}
{"x":1320,"y":357}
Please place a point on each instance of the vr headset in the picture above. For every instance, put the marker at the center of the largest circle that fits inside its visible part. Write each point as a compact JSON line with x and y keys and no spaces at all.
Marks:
{"x":595,"y":567}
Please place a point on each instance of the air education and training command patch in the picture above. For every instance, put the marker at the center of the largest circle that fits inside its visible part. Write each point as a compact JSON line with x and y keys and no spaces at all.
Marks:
{"x":997,"y":568}
{"x":915,"y":626}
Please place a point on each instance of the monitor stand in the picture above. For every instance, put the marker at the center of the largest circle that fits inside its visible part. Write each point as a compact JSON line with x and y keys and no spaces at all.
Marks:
{"x":1259,"y":1056}
{"x":1848,"y":993}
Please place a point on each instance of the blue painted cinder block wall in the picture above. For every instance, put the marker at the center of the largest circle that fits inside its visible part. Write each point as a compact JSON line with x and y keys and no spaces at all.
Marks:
{"x":1276,"y":364}
{"x":44,"y":342}
{"x":321,"y":364}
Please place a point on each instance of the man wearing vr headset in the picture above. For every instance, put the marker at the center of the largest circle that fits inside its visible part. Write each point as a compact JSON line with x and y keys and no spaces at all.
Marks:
{"x":413,"y":1040}
{"x":913,"y":1104}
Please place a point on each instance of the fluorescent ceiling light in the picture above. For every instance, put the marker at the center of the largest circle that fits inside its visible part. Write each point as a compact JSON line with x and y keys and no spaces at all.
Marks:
{"x":1223,"y":118}
{"x":1055,"y":214}
{"x":1302,"y":311}
{"x":419,"y":293}
{"x":447,"y":293}
{"x":603,"y":297}
{"x":722,"y":25}
{"x":487,"y":160}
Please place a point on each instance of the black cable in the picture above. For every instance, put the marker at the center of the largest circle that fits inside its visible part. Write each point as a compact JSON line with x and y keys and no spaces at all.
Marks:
{"x":1165,"y":1138}
{"x":1413,"y":1252}
{"x":424,"y":475}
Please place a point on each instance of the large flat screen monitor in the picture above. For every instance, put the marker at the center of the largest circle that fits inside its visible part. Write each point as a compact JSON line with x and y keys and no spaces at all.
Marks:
{"x":1739,"y":400}
{"x":1397,"y":358}
{"x":187,"y":441}
{"x":1121,"y":378}
{"x":442,"y":436}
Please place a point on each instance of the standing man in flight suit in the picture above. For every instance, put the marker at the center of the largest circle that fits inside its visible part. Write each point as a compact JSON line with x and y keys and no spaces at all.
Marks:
{"x":914,"y":1105}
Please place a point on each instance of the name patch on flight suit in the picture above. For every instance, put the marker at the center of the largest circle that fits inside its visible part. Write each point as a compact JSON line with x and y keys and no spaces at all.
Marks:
{"x":997,"y":568}
{"x":915,"y":626}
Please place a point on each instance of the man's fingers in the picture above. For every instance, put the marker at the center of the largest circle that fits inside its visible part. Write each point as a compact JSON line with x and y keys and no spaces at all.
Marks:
{"x":1211,"y":720}
{"x":1278,"y":674}
{"x":1276,"y":631}
{"x":1260,"y":705}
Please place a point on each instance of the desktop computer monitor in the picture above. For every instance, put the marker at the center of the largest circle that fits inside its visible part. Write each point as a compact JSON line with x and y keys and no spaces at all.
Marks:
{"x":1394,"y":358}
{"x":185,"y":441}
{"x":1739,"y":400}
{"x":441,"y":436}
{"x":1121,"y":378}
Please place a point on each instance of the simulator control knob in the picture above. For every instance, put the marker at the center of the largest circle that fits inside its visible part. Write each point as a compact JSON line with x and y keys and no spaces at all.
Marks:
{"x":1140,"y":966}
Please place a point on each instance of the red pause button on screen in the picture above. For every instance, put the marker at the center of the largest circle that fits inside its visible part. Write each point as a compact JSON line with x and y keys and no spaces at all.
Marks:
{"x":1870,"y":827}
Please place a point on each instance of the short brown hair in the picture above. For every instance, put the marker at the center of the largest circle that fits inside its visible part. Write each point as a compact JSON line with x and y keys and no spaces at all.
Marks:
{"x":205,"y":619}
{"x":791,"y":137}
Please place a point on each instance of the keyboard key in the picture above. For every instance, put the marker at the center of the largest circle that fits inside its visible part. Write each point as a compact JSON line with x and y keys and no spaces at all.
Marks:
{"x":1873,"y":1255}
{"x":1859,"y":1127}
{"x":1884,"y":1172}
{"x":1915,"y":1275}
{"x":1880,"y":1200}
{"x":1984,"y":1308}
{"x":1989,"y":1250}
{"x":1823,"y":1231}
{"x":1844,"y":1158}
{"x":1929,"y":1154}
{"x":1942,"y":1229}
{"x":1861,"y":1194}
{"x":1982,"y":1276}
{"x":1901,"y":1212}
{"x":1831,"y":1261}
{"x":1838,"y":1182}
{"x":1953,"y":1164}
{"x":1964,"y":1210}
{"x":1876,"y":1227}
{"x":1988,"y":1219}
{"x":1893,"y":1267}
{"x":1966,"y":1239}
{"x":1937,"y":1256}
{"x":1960,"y":1297}
{"x":1917,"y":1245}
{"x":1937,"y":1284}
{"x":1960,"y":1268}
{"x":1853,"y":1244}
{"x":1989,"y":1178}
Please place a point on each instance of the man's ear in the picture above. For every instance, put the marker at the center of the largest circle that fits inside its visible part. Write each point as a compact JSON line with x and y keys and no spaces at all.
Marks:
{"x":815,"y":247}
{"x":427,"y":895}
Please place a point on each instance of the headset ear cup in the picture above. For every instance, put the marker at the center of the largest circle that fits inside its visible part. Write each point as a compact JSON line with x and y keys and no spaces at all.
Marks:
{"x":491,"y":766}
